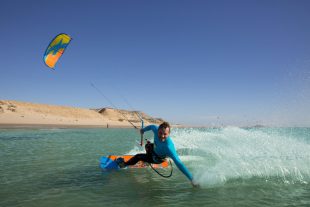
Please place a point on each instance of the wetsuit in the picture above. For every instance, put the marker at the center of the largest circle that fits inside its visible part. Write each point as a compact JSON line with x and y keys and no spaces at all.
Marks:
{"x":160,"y":151}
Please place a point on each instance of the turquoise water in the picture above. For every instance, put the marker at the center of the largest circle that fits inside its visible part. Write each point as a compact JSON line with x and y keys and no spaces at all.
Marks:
{"x":234,"y":167}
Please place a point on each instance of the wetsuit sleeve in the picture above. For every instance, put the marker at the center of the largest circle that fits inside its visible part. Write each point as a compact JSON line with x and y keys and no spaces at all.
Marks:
{"x":150,"y":127}
{"x":180,"y":165}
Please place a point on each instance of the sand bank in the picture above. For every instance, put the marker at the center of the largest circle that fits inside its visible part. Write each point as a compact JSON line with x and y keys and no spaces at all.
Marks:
{"x":16,"y":114}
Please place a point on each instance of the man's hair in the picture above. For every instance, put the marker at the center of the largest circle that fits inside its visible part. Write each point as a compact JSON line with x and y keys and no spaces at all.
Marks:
{"x":164,"y":125}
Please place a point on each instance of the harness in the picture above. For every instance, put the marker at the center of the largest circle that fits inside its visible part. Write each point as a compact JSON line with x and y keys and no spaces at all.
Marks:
{"x":149,"y":148}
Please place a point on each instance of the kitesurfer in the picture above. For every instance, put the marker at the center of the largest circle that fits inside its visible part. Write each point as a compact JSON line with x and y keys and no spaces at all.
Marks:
{"x":156,"y":153}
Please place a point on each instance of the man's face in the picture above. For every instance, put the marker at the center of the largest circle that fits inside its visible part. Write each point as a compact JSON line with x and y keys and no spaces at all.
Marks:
{"x":163,"y":134}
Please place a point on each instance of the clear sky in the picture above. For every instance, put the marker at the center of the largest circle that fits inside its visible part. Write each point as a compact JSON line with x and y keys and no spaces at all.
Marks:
{"x":189,"y":62}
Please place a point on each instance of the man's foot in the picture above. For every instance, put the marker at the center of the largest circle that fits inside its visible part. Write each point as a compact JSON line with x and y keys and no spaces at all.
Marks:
{"x":121,"y":163}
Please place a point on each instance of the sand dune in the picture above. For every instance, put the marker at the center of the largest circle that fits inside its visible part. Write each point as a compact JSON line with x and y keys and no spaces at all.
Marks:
{"x":122,"y":115}
{"x":16,"y":113}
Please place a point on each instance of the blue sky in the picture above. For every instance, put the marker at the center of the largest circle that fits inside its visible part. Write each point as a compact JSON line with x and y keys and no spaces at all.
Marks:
{"x":189,"y":62}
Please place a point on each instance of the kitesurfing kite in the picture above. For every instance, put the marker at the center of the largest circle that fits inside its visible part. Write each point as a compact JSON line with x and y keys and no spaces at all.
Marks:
{"x":56,"y":49}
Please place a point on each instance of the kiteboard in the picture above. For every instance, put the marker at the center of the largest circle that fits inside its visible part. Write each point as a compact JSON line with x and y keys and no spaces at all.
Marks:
{"x":109,"y":163}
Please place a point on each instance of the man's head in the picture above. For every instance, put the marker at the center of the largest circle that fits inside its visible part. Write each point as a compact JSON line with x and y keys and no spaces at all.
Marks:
{"x":164,"y":131}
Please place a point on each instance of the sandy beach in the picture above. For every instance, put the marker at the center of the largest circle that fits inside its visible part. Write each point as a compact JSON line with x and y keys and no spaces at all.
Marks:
{"x":16,"y":114}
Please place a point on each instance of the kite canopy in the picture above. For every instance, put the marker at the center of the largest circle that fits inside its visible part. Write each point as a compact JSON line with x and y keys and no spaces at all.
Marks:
{"x":55,"y":49}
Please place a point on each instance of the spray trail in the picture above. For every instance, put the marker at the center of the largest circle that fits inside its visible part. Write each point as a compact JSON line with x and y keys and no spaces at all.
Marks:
{"x":216,"y":156}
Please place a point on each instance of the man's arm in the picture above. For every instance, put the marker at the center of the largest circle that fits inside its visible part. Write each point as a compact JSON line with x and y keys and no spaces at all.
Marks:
{"x":148,"y":128}
{"x":180,"y":165}
{"x":183,"y":169}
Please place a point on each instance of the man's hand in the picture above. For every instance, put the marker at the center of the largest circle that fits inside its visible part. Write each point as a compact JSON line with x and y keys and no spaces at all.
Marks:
{"x":195,"y":184}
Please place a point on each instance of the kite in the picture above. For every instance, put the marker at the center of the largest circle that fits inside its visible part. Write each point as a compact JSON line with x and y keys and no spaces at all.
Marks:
{"x":56,"y":49}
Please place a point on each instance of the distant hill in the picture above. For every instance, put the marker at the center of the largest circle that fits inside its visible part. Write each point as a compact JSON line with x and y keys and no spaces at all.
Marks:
{"x":25,"y":113}
{"x":122,"y":115}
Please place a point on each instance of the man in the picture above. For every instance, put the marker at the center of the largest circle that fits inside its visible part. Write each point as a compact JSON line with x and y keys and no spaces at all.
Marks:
{"x":156,"y":153}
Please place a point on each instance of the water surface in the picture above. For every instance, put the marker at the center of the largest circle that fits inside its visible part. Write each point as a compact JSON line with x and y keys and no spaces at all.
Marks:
{"x":234,"y":166}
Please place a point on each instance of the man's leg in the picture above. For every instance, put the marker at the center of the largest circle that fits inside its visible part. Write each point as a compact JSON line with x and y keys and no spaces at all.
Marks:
{"x":139,"y":157}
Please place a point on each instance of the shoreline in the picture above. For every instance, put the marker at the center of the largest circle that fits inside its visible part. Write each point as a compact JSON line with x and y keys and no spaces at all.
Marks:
{"x":60,"y":126}
{"x":112,"y":126}
{"x":69,"y":126}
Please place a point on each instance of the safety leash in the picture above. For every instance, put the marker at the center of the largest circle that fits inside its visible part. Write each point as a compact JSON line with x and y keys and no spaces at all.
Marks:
{"x":164,"y":176}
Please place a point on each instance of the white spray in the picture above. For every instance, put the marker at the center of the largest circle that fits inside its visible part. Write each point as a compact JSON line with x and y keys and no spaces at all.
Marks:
{"x":216,"y":156}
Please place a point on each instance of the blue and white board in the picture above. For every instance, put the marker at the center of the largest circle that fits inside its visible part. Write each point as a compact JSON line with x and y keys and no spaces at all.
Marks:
{"x":108,"y":164}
